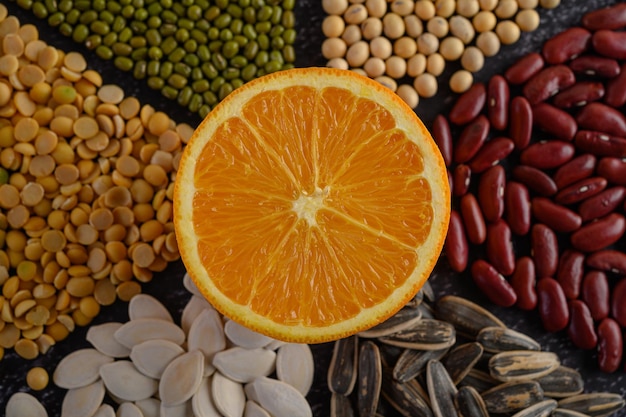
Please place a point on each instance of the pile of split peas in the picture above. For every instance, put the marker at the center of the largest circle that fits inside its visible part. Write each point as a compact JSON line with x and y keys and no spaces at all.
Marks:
{"x":86,"y":185}
{"x":406,"y":44}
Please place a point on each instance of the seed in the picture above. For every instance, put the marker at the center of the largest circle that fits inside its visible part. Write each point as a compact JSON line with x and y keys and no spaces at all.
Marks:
{"x":22,"y":403}
{"x":342,"y":370}
{"x":562,"y":382}
{"x":80,"y":368}
{"x":540,"y":409}
{"x":498,"y":339}
{"x":594,"y":404}
{"x":468,"y":402}
{"x":175,"y":391}
{"x":412,"y":362}
{"x":403,"y":319}
{"x":441,"y":389}
{"x":518,"y":365}
{"x":467,"y":317}
{"x":295,"y":366}
{"x":83,"y":401}
{"x":427,"y":334}
{"x":340,"y":406}
{"x":370,"y":379}
{"x":512,"y":396}
{"x":461,"y":360}
{"x":405,"y":397}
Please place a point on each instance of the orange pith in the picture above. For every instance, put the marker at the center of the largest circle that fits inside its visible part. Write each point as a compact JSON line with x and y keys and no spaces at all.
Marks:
{"x":311,"y":204}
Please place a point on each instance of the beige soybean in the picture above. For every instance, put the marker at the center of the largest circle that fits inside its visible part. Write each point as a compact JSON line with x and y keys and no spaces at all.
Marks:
{"x":484,"y":21}
{"x":508,"y":32}
{"x":425,"y":9}
{"x":355,"y":14}
{"x":451,"y":48}
{"x":408,"y":94}
{"x":336,"y":7}
{"x":438,"y":26}
{"x":489,"y":43}
{"x":467,"y":8}
{"x":352,"y":34}
{"x":416,"y":65}
{"x":461,"y":81}
{"x":427,"y":43}
{"x":462,"y":28}
{"x":372,"y":27}
{"x":374,"y":67}
{"x":395,"y":67}
{"x":405,"y":47}
{"x":380,"y":47}
{"x":333,"y":26}
{"x":472,"y":59}
{"x":413,"y":26}
{"x":445,"y":8}
{"x":426,"y":85}
{"x":435,"y":64}
{"x":528,"y":20}
{"x":376,"y":8}
{"x":393,"y":26}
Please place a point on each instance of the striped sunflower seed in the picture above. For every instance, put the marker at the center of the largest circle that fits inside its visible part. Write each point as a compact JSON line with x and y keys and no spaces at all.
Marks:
{"x":499,"y":339}
{"x":340,"y":406}
{"x":467,"y":317}
{"x":412,"y":362}
{"x":596,"y":404}
{"x":407,"y":398}
{"x":511,"y":397}
{"x":403,"y":319}
{"x":480,"y":380}
{"x":441,"y":390}
{"x":461,"y":360}
{"x":516,"y":365}
{"x":562,"y":412}
{"x":427,"y":334}
{"x":562,"y":382}
{"x":370,"y":379}
{"x":417,"y":299}
{"x":541,"y":409}
{"x":342,"y":370}
{"x":469,"y":403}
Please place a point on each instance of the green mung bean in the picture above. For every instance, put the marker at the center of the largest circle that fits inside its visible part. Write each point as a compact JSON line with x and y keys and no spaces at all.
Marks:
{"x":107,"y":17}
{"x":184,"y":96}
{"x":196,"y":74}
{"x":209,"y":97}
{"x":123,"y":63}
{"x":39,"y":10}
{"x":168,"y":45}
{"x":181,"y":35}
{"x":56,"y":19}
{"x":93,"y":41}
{"x":153,"y":68}
{"x":169,"y":92}
{"x":123,"y":49}
{"x":200,"y":86}
{"x":236,"y":82}
{"x":177,"y":81}
{"x":156,"y":83}
{"x":177,"y":55}
{"x":66,"y":5}
{"x":110,"y":39}
{"x":139,"y":71}
{"x":195,"y":103}
{"x":72,"y":16}
{"x":167,"y":68}
{"x":209,"y":70}
{"x":154,"y":22}
{"x":119,"y":24}
{"x":25,"y":4}
{"x":138,"y":42}
{"x":203,"y":53}
{"x":167,"y":29}
{"x":125,"y":35}
{"x":139,"y":54}
{"x":182,"y":69}
{"x":225,"y":90}
{"x":65,"y":29}
{"x":80,"y":33}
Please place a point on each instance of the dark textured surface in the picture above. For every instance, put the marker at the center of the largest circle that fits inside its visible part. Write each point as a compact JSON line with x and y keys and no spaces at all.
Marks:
{"x":167,"y":286}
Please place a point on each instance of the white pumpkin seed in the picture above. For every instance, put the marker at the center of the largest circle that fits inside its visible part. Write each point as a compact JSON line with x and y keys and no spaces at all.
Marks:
{"x":124,"y":381}
{"x":244,"y":337}
{"x":102,"y":338}
{"x":228,"y":396}
{"x":281,"y":399}
{"x":181,"y":410}
{"x":144,"y":306}
{"x":244,"y":365}
{"x":274,"y":344}
{"x":152,"y":356}
{"x":128,"y":410}
{"x":149,"y":407}
{"x":79,"y":368}
{"x":23,"y":404}
{"x":83,"y":401}
{"x":250,"y":392}
{"x":254,"y":410}
{"x":295,"y":366}
{"x":190,"y":285}
{"x":195,"y":306}
{"x":207,"y":335}
{"x":105,"y":410}
{"x":181,"y":378}
{"x":202,"y":400}
{"x":136,"y":331}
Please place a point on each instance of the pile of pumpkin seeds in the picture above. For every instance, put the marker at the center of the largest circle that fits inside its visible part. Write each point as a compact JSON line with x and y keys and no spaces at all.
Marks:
{"x":206,"y":366}
{"x":451,"y":357}
{"x":194,"y":52}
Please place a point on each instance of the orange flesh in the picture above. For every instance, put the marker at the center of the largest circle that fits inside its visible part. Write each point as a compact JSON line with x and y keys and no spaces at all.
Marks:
{"x":338,"y":208}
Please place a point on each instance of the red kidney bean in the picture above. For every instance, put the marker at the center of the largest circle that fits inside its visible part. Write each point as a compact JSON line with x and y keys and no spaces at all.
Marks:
{"x":535,"y":179}
{"x":600,"y":143}
{"x":580,"y":190}
{"x":523,"y":282}
{"x":491,"y":192}
{"x":566,"y":45}
{"x":599,"y":234}
{"x":547,"y":83}
{"x":595,"y":293}
{"x":499,"y":247}
{"x":613,"y":169}
{"x":544,"y":250}
{"x":570,"y":272}
{"x":468,"y":105}
{"x":595,"y":65}
{"x":616,"y":89}
{"x":601,"y":204}
{"x":618,"y":302}
{"x":608,"y":260}
{"x":554,"y":121}
{"x":461,"y":178}
{"x":491,"y":153}
{"x":456,"y":247}
{"x":581,"y":329}
{"x":555,"y":216}
{"x":473,"y":219}
{"x":517,"y":207}
{"x":471,"y":139}
{"x":579,"y":94}
{"x":521,"y":122}
{"x":552,"y":304}
{"x":493,"y":284}
{"x":576,"y":169}
{"x":611,"y":17}
{"x":443,"y":138}
{"x":610,"y":345}
{"x":523,"y":70}
{"x":498,"y":95}
{"x":547,"y":154}
{"x":609,"y":43}
{"x":602,"y":118}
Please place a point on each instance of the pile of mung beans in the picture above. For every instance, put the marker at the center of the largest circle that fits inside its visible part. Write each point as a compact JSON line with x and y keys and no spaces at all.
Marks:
{"x":86,"y":184}
{"x":407,"y":44}
{"x":548,"y":230}
{"x":194,"y":51}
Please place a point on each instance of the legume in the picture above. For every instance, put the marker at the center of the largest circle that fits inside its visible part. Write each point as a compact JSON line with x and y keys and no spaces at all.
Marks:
{"x":141,"y":38}
{"x":564,"y":198}
{"x":442,"y":31}
{"x":85,"y":190}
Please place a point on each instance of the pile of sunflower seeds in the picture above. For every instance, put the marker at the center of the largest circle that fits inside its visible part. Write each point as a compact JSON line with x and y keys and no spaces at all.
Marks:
{"x":451,"y":357}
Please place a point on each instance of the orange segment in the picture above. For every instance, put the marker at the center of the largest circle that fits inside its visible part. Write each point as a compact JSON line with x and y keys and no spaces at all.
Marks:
{"x":311,"y":204}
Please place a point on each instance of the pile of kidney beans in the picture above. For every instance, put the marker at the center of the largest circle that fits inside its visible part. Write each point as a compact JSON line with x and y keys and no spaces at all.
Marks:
{"x":537,"y":167}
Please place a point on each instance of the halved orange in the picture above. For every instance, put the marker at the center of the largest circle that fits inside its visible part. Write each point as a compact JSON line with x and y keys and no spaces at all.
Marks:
{"x":311,"y":204}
